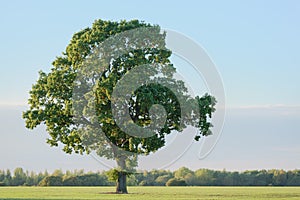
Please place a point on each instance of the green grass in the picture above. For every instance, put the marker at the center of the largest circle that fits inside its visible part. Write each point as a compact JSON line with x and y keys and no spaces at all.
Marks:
{"x":145,"y":193}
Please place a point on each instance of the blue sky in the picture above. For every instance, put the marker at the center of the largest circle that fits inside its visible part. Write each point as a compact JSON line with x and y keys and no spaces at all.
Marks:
{"x":254,"y":44}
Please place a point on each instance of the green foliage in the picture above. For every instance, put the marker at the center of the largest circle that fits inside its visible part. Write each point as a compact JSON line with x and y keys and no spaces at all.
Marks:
{"x":162,"y":180}
{"x":182,"y":172}
{"x":19,"y":177}
{"x":76,"y":121}
{"x":131,"y":180}
{"x":200,"y":177}
{"x":71,"y":181}
{"x":91,"y":179}
{"x":51,"y":181}
{"x":7,"y":178}
{"x":207,"y":177}
{"x":57,"y":172}
{"x":143,"y":183}
{"x":112,"y":175}
{"x":51,"y":97}
{"x":176,"y":182}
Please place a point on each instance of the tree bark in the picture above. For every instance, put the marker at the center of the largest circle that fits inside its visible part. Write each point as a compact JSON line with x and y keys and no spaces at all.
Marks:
{"x":121,"y":183}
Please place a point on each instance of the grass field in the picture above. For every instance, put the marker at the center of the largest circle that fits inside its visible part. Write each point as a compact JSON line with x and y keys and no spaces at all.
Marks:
{"x":145,"y":193}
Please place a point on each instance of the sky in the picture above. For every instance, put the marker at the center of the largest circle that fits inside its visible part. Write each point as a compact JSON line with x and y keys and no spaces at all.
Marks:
{"x":254,"y":45}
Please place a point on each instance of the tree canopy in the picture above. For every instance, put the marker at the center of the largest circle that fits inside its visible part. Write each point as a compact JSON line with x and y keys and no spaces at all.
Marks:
{"x":113,"y":91}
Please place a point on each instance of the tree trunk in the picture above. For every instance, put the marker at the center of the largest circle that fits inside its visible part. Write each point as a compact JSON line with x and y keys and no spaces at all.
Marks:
{"x":121,"y":183}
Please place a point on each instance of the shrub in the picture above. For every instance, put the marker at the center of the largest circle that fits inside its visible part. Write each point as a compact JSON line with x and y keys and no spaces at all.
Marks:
{"x":51,"y":181}
{"x":71,"y":181}
{"x":176,"y":182}
{"x":162,"y":180}
{"x":143,"y":183}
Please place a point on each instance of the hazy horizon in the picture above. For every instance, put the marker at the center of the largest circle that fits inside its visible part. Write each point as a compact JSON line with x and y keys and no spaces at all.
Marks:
{"x":244,"y":144}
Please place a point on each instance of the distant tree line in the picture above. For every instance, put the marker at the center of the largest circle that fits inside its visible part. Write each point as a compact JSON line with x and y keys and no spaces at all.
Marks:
{"x":181,"y":177}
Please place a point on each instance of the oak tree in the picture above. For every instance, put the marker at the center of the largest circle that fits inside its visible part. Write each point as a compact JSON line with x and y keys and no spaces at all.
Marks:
{"x":80,"y":100}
